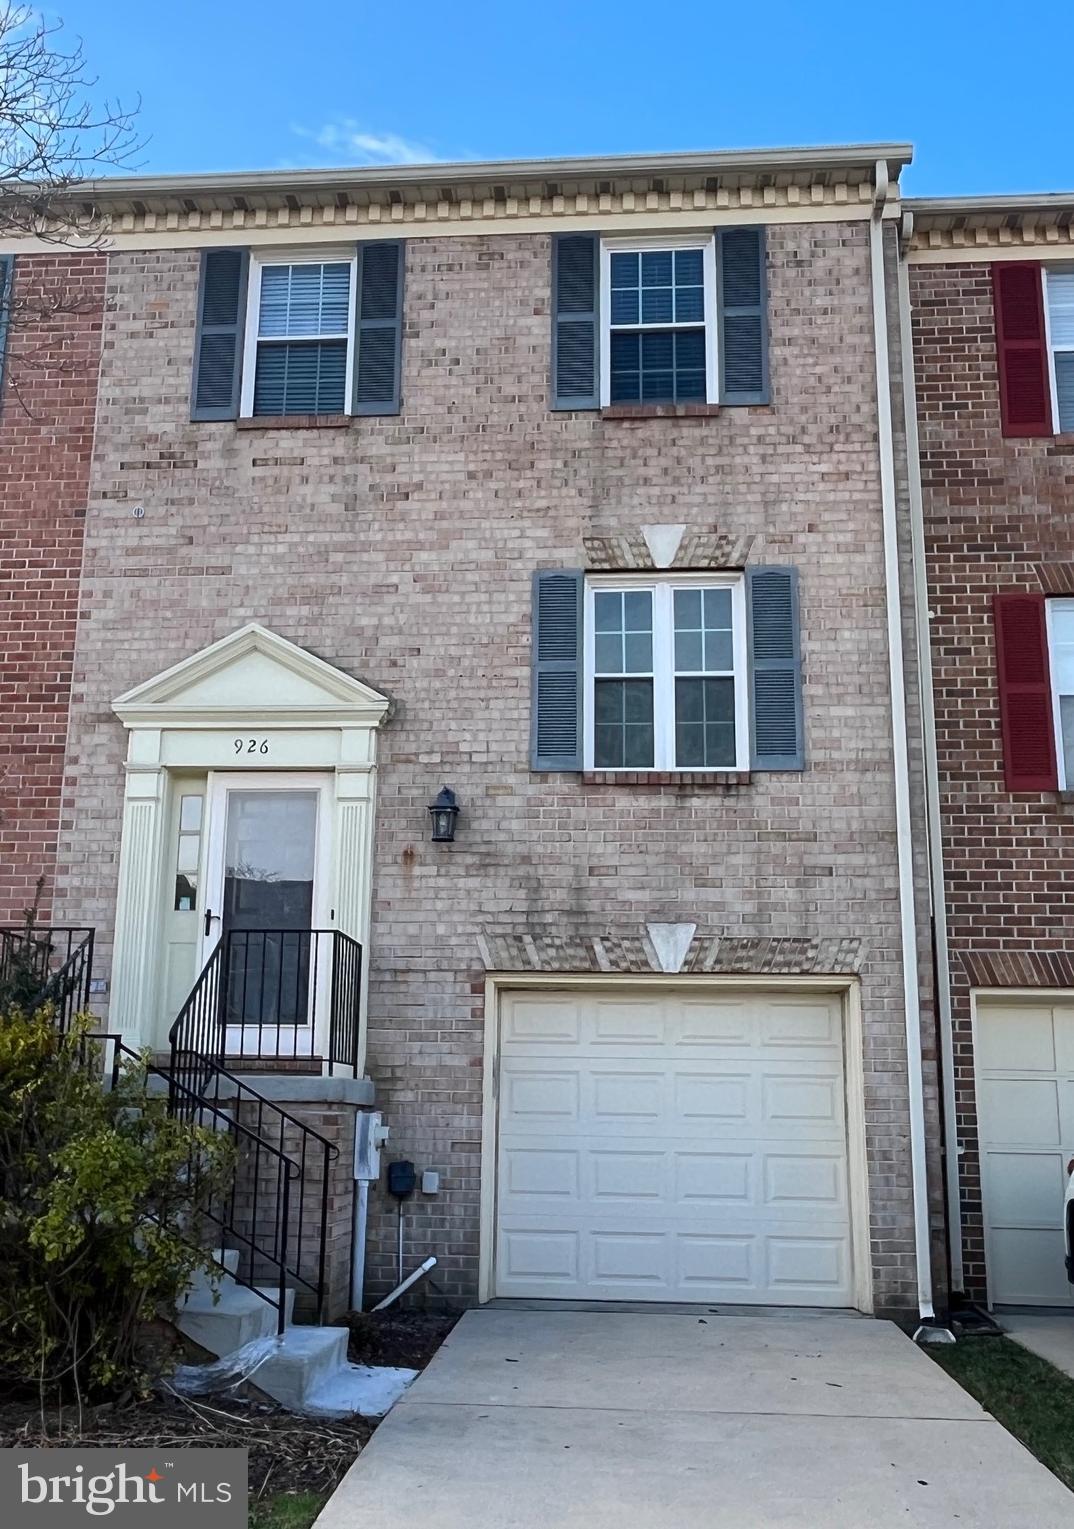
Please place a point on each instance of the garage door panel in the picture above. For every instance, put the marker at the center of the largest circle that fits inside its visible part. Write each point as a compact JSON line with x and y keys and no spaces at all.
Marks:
{"x":714,"y":1178}
{"x":1023,"y":1188}
{"x":1064,"y":1042}
{"x":618,"y":1094}
{"x":1021,"y":1111}
{"x":710,"y":1022}
{"x":801,"y":1023}
{"x":713,"y":1096}
{"x":799,"y":1180}
{"x":540,"y":1096}
{"x":806,"y":1265}
{"x":1025,"y":1267}
{"x":536,"y":1020}
{"x":627,"y":1175}
{"x":1016,"y":1040}
{"x":635,"y":1024}
{"x":700,"y":1155}
{"x":801,"y":1102}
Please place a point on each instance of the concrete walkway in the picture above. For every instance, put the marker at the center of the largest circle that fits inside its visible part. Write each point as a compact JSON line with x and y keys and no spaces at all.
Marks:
{"x":1049,"y":1334}
{"x":603,"y":1420}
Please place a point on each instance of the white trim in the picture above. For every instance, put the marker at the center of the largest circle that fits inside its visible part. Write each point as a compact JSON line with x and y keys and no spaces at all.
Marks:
{"x":499,"y":983}
{"x":662,"y":588}
{"x":706,"y":243}
{"x":251,"y":339}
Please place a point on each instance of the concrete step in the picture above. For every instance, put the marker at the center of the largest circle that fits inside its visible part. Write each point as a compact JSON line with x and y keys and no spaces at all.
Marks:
{"x":237,"y":1316}
{"x":208,"y":1279}
{"x":300,"y":1362}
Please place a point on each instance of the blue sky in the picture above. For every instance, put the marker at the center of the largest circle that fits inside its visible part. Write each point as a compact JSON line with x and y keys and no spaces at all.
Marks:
{"x":227,"y":84}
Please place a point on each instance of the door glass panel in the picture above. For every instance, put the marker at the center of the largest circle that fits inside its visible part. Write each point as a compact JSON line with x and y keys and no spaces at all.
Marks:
{"x":269,"y":851}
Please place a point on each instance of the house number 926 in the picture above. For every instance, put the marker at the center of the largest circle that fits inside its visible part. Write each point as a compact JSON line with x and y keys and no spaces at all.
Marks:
{"x":251,"y":745}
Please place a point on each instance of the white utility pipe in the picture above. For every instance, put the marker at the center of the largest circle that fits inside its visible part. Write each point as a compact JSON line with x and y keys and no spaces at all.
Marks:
{"x":361,"y":1221}
{"x":934,"y":821}
{"x":411,"y":1279}
{"x":900,"y":749}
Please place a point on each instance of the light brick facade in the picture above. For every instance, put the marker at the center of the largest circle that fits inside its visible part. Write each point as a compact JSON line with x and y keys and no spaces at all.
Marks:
{"x":401,"y":550}
{"x":999,"y":515}
{"x":46,"y":439}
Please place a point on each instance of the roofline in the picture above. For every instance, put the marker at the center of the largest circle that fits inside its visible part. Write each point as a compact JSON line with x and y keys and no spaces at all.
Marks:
{"x":948,"y":206}
{"x":821,"y":157}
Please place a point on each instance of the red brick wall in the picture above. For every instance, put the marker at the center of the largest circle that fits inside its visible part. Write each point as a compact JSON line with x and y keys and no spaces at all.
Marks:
{"x":999,"y":514}
{"x":46,"y":437}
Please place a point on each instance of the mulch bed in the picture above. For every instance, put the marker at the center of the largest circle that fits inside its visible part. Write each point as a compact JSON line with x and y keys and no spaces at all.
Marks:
{"x":287,"y":1453}
{"x":408,"y":1339}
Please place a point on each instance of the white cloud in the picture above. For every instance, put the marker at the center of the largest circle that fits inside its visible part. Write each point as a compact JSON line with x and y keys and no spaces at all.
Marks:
{"x":348,"y":140}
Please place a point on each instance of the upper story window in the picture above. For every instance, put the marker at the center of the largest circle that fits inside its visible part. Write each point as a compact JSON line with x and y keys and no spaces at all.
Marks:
{"x":300,"y":331}
{"x":282,"y":333}
{"x":665,"y":675}
{"x":658,"y":323}
{"x":661,"y":337}
{"x":645,"y":323}
{"x":1061,"y":654}
{"x":1059,"y":292}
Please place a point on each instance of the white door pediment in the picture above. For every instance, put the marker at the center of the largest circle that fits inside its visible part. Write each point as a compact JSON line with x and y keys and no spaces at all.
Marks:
{"x":252,"y":675}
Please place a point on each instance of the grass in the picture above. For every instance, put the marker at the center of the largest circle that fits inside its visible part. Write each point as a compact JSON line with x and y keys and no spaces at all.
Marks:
{"x":1031,"y":1398}
{"x":287,"y":1510}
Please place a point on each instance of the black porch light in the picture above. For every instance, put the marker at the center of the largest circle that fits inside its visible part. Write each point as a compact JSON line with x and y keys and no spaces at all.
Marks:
{"x":443,"y":812}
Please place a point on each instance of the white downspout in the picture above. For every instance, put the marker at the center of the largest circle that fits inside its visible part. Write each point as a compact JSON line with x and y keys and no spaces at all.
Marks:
{"x":903,"y":824}
{"x":934,"y":821}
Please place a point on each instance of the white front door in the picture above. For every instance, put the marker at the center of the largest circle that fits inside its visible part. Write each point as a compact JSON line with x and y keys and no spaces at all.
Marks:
{"x":1024,"y":1057}
{"x":266,"y":888}
{"x":673,"y":1147}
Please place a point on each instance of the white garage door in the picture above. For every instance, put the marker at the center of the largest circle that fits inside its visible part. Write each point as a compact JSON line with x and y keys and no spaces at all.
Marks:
{"x":673,"y":1147}
{"x":1025,"y":1116}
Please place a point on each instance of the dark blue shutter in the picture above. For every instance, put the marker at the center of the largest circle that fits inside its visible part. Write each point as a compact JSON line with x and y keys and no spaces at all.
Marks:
{"x":379,"y":340}
{"x":575,"y":321}
{"x":7,"y":271}
{"x":743,"y":320}
{"x":775,"y":666}
{"x":556,"y":698}
{"x":218,"y":339}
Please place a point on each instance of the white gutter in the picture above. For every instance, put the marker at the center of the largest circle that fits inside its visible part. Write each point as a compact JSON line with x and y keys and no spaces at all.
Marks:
{"x":934,"y":821}
{"x":901,"y":755}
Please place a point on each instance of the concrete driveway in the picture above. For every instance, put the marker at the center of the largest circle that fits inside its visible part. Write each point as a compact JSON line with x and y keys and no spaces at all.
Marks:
{"x":612,"y":1420}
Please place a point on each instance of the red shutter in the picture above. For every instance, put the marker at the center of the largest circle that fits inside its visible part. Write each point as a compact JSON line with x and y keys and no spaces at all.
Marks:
{"x":1024,"y":391}
{"x":1025,"y":693}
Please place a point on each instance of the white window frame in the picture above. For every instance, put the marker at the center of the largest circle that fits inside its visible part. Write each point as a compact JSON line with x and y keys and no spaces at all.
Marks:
{"x":258,"y":261}
{"x":1050,"y":607}
{"x":706,"y":243}
{"x":663,"y":592}
{"x":1047,"y":272}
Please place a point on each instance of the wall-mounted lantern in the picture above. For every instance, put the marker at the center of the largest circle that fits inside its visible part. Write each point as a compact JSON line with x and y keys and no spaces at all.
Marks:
{"x":444,"y":812}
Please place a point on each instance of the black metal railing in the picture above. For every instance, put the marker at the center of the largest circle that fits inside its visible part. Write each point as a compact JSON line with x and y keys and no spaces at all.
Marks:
{"x":55,"y":964}
{"x":274,"y":994}
{"x":274,"y":1209}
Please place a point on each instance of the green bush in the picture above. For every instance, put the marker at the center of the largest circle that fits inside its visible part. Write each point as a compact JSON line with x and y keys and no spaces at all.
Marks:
{"x":100,"y":1195}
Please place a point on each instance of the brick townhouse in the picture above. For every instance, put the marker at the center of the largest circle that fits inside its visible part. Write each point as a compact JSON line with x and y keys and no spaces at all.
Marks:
{"x":578,"y":492}
{"x":991,"y":286}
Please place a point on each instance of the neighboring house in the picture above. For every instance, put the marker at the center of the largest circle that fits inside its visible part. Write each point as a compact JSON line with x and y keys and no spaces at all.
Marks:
{"x":46,"y":439}
{"x":579,"y":488}
{"x":991,"y":281}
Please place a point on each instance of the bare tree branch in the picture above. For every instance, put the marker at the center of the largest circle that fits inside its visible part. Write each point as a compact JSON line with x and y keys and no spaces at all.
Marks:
{"x":53,"y":137}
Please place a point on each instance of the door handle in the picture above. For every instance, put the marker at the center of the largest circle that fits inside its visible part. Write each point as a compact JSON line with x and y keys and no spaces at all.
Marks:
{"x":210,"y":917}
